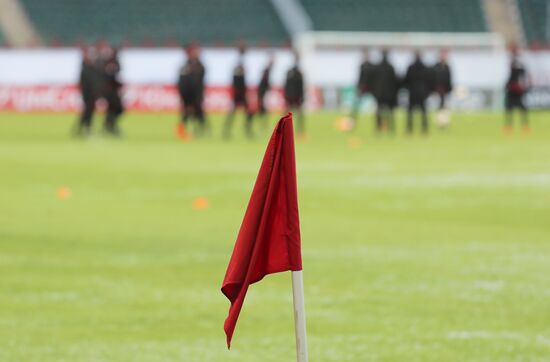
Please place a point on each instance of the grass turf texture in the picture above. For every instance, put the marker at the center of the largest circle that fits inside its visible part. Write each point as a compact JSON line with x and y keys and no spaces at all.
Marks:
{"x":415,"y":249}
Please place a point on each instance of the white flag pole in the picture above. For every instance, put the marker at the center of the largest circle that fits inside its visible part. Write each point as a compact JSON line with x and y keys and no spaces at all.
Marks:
{"x":299,"y":316}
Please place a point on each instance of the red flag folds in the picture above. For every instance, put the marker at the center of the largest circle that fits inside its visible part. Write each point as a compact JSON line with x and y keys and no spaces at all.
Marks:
{"x":269,"y":238}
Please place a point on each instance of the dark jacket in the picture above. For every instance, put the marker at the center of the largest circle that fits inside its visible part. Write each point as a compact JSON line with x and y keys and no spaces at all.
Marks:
{"x":518,"y":82}
{"x":418,"y":82}
{"x":367,"y":72}
{"x":111,"y":69}
{"x":239,"y":82}
{"x":442,"y":81}
{"x":294,"y":86}
{"x":264,"y":85}
{"x":385,"y":84}
{"x":191,"y":80}
{"x":89,"y":80}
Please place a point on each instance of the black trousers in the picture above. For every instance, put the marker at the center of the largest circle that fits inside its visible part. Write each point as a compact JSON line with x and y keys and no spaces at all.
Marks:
{"x":192,"y":107}
{"x":262,"y":110}
{"x":114,"y":109}
{"x":384,"y":117}
{"x":88,"y":109}
{"x":239,"y":102}
{"x":515,"y":101}
{"x":295,"y":106}
{"x":414,"y":106}
{"x":442,"y":100}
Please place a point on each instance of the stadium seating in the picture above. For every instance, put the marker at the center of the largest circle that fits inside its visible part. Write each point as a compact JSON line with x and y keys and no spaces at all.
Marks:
{"x":142,"y":22}
{"x":397,"y":15}
{"x":224,"y":22}
{"x":156,"y":22}
{"x":533,"y":16}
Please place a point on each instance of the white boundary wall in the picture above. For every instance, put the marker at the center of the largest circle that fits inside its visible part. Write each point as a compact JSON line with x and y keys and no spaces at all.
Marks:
{"x":139,"y":65}
{"x":474,"y":70}
{"x":332,"y":68}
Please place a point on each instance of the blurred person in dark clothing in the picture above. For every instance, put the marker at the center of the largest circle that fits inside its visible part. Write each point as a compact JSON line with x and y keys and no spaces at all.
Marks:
{"x":191,"y":92}
{"x":89,"y":85}
{"x":442,"y":78}
{"x":419,"y":83}
{"x":112,"y":91}
{"x":385,"y":85}
{"x":442,"y":81}
{"x":239,"y":98}
{"x":365,"y":83}
{"x":294,"y":94}
{"x":516,"y":88}
{"x":263,"y":88}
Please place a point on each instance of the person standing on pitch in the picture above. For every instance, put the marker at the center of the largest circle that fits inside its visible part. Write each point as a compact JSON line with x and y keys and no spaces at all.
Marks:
{"x":516,"y":88}
{"x":365,"y":82}
{"x":191,"y":91}
{"x":88,"y":84}
{"x":294,"y":94}
{"x":443,"y":86}
{"x":385,"y":86}
{"x":263,"y":88}
{"x":418,"y":83}
{"x":239,"y":98}
{"x":112,"y":92}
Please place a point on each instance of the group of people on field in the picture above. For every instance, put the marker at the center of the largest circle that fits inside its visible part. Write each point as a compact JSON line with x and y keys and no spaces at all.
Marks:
{"x":191,"y":90}
{"x":381,"y":81}
{"x":99,"y":79}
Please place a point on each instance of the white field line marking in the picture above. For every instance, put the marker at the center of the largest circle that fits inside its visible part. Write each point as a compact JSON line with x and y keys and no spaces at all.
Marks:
{"x":431,"y":181}
{"x":465,"y":335}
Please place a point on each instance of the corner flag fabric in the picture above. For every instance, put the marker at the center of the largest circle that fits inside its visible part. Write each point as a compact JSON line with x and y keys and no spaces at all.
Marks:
{"x":269,"y":239}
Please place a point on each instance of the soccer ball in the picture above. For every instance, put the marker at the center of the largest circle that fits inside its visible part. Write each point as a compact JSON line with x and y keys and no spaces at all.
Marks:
{"x":443,"y":119}
{"x":345,"y":124}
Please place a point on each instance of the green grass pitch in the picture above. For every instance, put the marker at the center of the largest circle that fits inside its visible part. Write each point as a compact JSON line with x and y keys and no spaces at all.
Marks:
{"x":415,"y":248}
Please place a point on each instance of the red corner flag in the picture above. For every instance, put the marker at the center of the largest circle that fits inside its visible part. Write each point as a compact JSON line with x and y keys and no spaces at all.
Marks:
{"x":269,"y":238}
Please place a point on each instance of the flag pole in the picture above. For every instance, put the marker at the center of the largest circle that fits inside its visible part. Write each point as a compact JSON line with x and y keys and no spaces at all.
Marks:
{"x":299,"y":316}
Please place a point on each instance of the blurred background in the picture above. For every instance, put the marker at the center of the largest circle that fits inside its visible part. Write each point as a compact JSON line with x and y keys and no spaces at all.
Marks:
{"x":40,"y":58}
{"x":417,"y":246}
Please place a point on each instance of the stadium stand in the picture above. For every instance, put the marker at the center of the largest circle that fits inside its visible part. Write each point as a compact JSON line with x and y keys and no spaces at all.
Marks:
{"x":534,"y":18}
{"x":397,"y":15}
{"x":156,"y":22}
{"x":222,"y":22}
